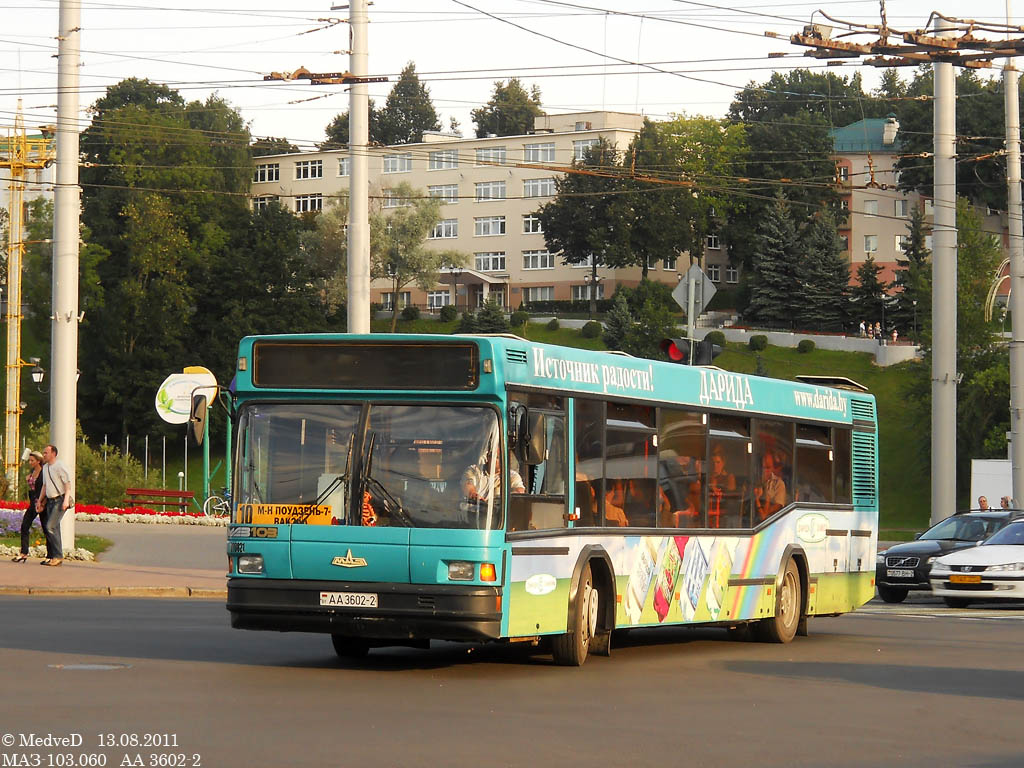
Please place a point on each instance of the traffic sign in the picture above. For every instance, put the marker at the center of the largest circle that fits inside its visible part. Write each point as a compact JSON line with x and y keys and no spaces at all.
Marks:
{"x":703,"y":290}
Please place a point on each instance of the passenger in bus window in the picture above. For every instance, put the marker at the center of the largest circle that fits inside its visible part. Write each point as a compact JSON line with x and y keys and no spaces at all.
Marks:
{"x":689,"y":516}
{"x":770,"y":494}
{"x":615,"y":503}
{"x":721,"y":484}
{"x":479,"y":484}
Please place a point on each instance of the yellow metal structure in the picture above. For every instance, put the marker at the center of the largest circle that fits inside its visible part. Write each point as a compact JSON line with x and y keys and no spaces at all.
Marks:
{"x":18,"y":153}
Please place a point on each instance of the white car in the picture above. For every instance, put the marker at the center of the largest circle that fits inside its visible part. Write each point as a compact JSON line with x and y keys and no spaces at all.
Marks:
{"x":993,"y":570}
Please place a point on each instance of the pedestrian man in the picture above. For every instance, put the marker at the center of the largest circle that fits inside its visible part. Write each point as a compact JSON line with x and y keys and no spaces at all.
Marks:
{"x":58,"y":487}
{"x":983,"y":504}
{"x":863,"y":330}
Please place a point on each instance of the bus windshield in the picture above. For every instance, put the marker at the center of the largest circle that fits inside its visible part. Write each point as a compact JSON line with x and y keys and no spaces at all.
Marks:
{"x":423,"y":466}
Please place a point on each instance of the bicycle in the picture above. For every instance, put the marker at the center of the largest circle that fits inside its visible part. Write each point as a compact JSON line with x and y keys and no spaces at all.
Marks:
{"x":218,"y":506}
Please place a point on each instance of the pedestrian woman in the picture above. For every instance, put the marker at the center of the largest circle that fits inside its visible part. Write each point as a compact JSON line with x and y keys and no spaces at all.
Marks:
{"x":35,"y":483}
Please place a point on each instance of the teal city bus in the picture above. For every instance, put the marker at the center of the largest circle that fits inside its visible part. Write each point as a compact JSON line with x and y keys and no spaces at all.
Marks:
{"x":391,"y":490}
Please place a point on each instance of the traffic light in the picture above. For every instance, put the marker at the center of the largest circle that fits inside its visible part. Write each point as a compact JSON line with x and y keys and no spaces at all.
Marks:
{"x":678,"y":350}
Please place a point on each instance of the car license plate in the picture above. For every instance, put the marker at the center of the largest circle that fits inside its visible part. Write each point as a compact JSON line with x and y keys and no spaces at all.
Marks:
{"x":900,"y":573}
{"x":965,"y":578}
{"x":349,"y":599}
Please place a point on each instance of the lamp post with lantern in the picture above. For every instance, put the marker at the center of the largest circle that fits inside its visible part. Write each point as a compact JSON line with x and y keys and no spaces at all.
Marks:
{"x":592,"y":281}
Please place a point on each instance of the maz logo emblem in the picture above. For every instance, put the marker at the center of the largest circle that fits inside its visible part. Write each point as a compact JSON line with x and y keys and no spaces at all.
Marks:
{"x":348,"y":561}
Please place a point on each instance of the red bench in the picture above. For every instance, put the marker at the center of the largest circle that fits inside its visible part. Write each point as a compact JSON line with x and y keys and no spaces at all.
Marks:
{"x":158,"y":497}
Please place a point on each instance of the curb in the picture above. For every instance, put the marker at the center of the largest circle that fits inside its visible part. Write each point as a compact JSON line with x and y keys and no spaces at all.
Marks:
{"x":201,"y":593}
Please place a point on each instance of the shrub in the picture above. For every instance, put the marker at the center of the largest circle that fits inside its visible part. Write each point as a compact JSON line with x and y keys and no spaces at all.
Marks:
{"x":491,"y":318}
{"x":411,"y":312}
{"x":659,"y":294}
{"x":448,"y":313}
{"x":758,"y":342}
{"x":716,"y":337}
{"x":519,"y":317}
{"x":468,"y":323}
{"x":805,"y":346}
{"x":591,"y":330}
{"x":553,"y":324}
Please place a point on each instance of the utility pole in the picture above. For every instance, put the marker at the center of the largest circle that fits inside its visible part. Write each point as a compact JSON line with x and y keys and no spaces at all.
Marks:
{"x":1016,"y":298}
{"x":66,"y":210}
{"x":358,"y":268}
{"x":952,"y":43}
{"x":18,"y":153}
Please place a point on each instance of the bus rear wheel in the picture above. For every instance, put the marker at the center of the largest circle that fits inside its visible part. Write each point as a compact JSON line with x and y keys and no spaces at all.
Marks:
{"x":350,"y":647}
{"x":570,"y":649}
{"x":781,"y":628}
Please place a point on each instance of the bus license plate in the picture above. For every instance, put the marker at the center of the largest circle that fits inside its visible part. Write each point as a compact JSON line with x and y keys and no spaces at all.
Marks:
{"x":900,"y":573}
{"x":965,"y":578}
{"x":349,"y":599}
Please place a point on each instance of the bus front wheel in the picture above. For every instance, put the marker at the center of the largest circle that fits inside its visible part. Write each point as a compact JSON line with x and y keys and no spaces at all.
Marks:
{"x":781,"y":628}
{"x":350,"y":647}
{"x":570,"y":649}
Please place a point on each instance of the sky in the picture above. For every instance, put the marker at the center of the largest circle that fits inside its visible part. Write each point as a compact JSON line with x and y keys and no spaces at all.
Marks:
{"x":657,"y":57}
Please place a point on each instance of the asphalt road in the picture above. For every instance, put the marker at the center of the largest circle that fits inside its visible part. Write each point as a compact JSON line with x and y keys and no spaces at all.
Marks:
{"x":173,"y":546}
{"x":908,"y":685}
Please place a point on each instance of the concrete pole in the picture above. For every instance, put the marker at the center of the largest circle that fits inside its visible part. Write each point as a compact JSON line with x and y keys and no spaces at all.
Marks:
{"x":691,"y":306}
{"x":1016,"y":299}
{"x":944,"y":264}
{"x":66,"y":209}
{"x":359,"y":179}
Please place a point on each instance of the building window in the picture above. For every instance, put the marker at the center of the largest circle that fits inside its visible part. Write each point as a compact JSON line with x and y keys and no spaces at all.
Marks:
{"x":445,"y":229}
{"x":587,"y":263}
{"x":306,"y":203}
{"x":670,"y":263}
{"x":582,"y":292}
{"x":538,"y":260}
{"x":449,"y":193}
{"x":438,"y":299}
{"x":266,"y":172}
{"x":490,"y":190}
{"x":844,"y":242}
{"x":714,"y":272}
{"x":538,"y":187}
{"x":400,"y":163}
{"x":929,"y":207}
{"x":492,"y":261}
{"x":445,"y":158}
{"x":539,"y":293}
{"x":844,"y":173}
{"x":488,"y":226}
{"x":732,"y":274}
{"x":490,"y":155}
{"x":532,"y":224}
{"x":388,"y":300}
{"x":870,"y":243}
{"x":901,"y":208}
{"x":262,"y":202}
{"x":845,"y":204}
{"x":393,"y":200}
{"x":871,"y":207}
{"x":309,"y":169}
{"x":579,"y":148}
{"x":539,"y":153}
{"x":902,"y":241}
{"x":652,"y":261}
{"x":713,"y":243}
{"x":928,"y":242}
{"x":344,"y":165}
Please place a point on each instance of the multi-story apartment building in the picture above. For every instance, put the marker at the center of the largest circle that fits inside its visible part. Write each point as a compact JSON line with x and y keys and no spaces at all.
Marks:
{"x":492,"y":188}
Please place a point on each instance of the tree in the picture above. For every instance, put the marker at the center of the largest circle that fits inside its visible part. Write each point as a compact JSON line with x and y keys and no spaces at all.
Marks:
{"x":272,"y":145}
{"x":774,"y":267}
{"x":617,"y":323}
{"x":891,"y":86}
{"x":398,"y":248}
{"x":337,"y":129}
{"x":837,"y":100}
{"x":582,"y":222}
{"x":868,"y":298}
{"x":510,"y":110}
{"x":910,"y":281}
{"x":491,"y":317}
{"x":324,"y":247}
{"x":408,"y":111}
{"x":823,"y":277}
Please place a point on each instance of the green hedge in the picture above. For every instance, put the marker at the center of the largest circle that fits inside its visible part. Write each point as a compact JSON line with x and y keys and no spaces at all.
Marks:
{"x":716,"y":337}
{"x":448,"y":313}
{"x":758,"y":342}
{"x":591,"y":330}
{"x":805,"y":346}
{"x":553,"y":324}
{"x":574,"y":307}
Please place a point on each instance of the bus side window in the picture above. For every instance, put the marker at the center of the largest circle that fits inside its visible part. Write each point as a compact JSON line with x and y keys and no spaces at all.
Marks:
{"x":542,"y":505}
{"x":589,"y":453}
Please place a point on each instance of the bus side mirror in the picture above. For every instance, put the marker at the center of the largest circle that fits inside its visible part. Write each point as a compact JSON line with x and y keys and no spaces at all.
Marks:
{"x":197,"y":418}
{"x":518,"y":431}
{"x":536,"y":439}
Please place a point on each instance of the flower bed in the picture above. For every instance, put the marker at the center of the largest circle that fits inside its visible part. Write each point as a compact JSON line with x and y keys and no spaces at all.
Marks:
{"x":100,"y":513}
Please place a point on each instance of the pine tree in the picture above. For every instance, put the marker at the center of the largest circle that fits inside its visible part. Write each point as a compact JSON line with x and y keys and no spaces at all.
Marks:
{"x":910,"y":281}
{"x":618,"y":323}
{"x":491,"y":317}
{"x":408,"y":111}
{"x":774,"y":267}
{"x":824,"y":277}
{"x":510,"y":111}
{"x":868,"y":297}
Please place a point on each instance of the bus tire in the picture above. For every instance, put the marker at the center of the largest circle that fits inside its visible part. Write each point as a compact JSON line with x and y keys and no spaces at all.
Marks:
{"x":892,"y":594}
{"x":781,"y":628}
{"x":350,"y":647}
{"x":956,"y":602}
{"x":570,"y":649}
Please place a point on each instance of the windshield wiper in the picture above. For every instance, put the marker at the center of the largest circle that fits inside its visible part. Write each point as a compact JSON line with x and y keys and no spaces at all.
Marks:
{"x":393,"y":505}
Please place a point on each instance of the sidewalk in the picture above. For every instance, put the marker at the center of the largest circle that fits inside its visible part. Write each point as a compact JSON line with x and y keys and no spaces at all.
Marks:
{"x":109,"y":580}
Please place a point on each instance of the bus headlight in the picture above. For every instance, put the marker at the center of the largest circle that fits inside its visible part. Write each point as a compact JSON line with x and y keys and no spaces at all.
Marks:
{"x":250,"y":563}
{"x":460,"y":571}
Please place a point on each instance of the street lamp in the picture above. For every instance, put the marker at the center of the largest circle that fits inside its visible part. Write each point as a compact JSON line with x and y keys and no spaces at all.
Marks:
{"x":915,"y":320}
{"x":455,"y":284}
{"x":592,"y":281}
{"x":38,"y":373}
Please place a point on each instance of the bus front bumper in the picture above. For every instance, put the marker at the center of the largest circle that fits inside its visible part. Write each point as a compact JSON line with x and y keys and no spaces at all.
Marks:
{"x":403,"y":612}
